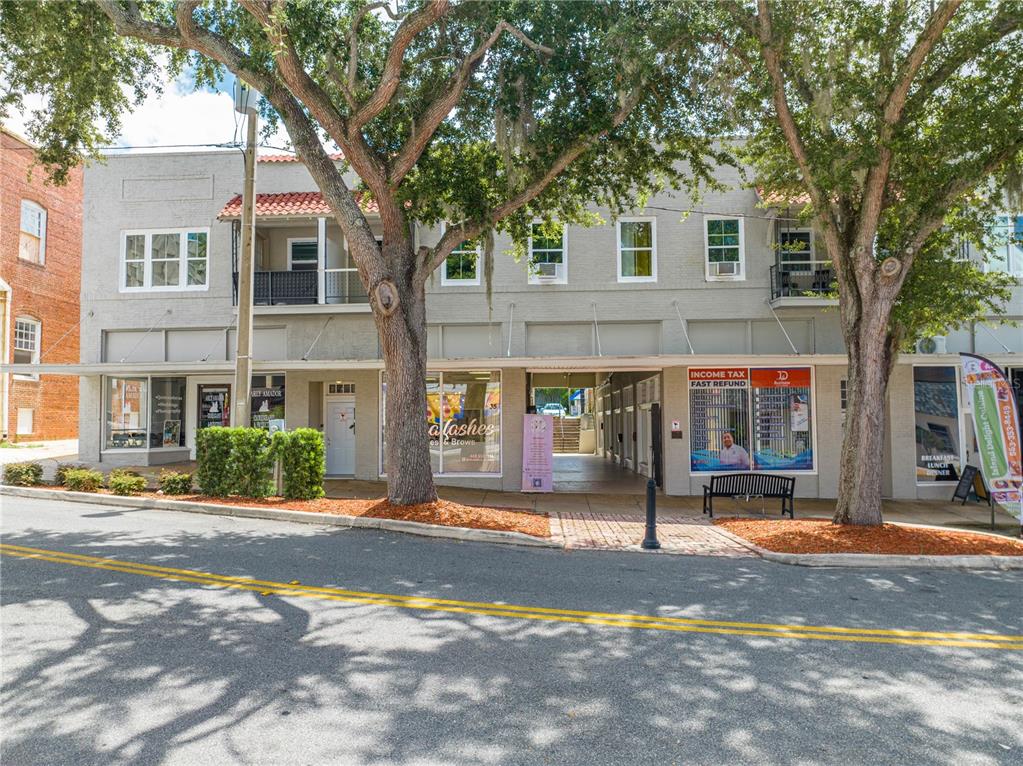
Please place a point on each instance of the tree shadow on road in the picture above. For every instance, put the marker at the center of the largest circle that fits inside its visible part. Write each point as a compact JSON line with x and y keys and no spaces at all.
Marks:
{"x":105,"y":667}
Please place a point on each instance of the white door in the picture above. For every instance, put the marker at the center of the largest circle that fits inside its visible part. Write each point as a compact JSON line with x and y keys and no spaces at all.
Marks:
{"x":339,"y":431}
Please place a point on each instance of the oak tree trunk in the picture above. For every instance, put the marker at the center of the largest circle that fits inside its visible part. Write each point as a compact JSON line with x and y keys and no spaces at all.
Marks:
{"x":403,"y":342}
{"x":861,"y":466}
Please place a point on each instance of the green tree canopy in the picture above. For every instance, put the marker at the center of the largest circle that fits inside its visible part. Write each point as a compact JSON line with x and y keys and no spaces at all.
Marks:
{"x":483,"y":114}
{"x":902,"y":122}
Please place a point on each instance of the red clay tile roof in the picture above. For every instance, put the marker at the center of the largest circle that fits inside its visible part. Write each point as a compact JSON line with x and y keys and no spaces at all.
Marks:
{"x":292,"y":157}
{"x":290,"y":205}
{"x":779,"y":199}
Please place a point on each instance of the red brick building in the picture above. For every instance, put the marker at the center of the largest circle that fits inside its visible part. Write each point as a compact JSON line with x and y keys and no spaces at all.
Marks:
{"x":40,"y":283}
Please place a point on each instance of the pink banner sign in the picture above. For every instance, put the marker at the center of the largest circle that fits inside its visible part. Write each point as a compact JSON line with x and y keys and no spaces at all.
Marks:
{"x":537,"y":453}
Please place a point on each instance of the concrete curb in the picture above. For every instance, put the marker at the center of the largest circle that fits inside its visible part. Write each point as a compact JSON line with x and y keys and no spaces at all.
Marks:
{"x":281,"y":514}
{"x":881,"y":561}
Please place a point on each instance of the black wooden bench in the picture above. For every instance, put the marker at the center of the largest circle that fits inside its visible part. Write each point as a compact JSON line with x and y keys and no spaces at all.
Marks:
{"x":750,"y":485}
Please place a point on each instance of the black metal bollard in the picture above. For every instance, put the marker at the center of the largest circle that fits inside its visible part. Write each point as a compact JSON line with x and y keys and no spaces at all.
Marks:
{"x":650,"y":541}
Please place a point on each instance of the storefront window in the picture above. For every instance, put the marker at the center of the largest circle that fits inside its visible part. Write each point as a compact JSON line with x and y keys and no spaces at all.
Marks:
{"x":127,"y":416}
{"x":750,"y":419}
{"x":267,"y":402}
{"x":167,"y":405}
{"x":214,"y":405}
{"x":936,"y":401}
{"x":472,"y":422}
{"x":463,"y":420}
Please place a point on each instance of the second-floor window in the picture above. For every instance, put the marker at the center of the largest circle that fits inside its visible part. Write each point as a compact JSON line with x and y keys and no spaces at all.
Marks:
{"x":165,"y":259}
{"x":32,"y":242}
{"x":303,"y":255}
{"x":795,"y":247}
{"x":637,"y":250}
{"x":462,"y":266}
{"x":725,"y":258}
{"x":547,"y":254}
{"x":27,"y":339}
{"x":1005,"y":245}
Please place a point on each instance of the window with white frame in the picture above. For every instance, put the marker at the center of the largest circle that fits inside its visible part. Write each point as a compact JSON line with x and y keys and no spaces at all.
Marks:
{"x":165,"y":259}
{"x":725,"y":256}
{"x":303,"y":255}
{"x":462,"y":266}
{"x":637,"y":249}
{"x":27,"y":339}
{"x":1004,"y":245}
{"x":32,"y":242}
{"x":547,"y":254}
{"x":795,"y":249}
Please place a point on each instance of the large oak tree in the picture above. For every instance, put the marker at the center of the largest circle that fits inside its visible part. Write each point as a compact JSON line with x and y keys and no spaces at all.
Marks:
{"x":482,"y":114}
{"x":897,"y":120}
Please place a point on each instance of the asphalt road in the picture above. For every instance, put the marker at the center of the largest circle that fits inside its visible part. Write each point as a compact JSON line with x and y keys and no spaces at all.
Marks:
{"x":114,"y":663}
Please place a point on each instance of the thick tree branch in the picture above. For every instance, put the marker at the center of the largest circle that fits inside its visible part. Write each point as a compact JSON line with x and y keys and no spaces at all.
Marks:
{"x":407,"y":31}
{"x":456,"y":234}
{"x":945,"y":198}
{"x":357,"y":152}
{"x":352,"y":78}
{"x":1002,"y":25}
{"x":871,"y":200}
{"x":432,"y":117}
{"x":189,"y":36}
{"x":769,"y":48}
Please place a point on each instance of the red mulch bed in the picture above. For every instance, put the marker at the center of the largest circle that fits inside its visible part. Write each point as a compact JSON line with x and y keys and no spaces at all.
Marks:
{"x":443,"y":512}
{"x":822,"y":536}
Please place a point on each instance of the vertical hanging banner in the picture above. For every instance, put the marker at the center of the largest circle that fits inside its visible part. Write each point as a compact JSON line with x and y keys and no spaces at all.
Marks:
{"x":996,"y":425}
{"x":537,"y":453}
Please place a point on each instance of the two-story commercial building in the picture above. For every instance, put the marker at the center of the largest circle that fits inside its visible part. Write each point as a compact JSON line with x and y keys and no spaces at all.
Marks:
{"x":40,"y":262}
{"x":706,"y":338}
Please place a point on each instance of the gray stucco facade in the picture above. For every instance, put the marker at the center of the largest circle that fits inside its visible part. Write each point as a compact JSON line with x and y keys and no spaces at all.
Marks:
{"x":587,"y":321}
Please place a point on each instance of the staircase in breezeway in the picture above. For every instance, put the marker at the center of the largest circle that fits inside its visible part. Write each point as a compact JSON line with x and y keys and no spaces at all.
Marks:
{"x":566,"y":435}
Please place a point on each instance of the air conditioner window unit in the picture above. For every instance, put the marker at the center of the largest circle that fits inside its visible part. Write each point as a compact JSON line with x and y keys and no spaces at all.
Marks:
{"x":547,"y":271}
{"x":725,"y":268}
{"x":935,"y":344}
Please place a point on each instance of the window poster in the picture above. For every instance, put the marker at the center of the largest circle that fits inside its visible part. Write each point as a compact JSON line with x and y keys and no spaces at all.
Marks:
{"x":166,"y":412}
{"x":719,"y":419}
{"x":936,"y":405}
{"x":267,"y":404}
{"x":214,"y":405}
{"x":750,"y":419}
{"x":781,"y":419}
{"x":463,"y":421}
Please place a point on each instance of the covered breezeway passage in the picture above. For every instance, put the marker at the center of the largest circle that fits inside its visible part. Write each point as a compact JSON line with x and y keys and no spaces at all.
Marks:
{"x":594,"y":473}
{"x":607,"y":429}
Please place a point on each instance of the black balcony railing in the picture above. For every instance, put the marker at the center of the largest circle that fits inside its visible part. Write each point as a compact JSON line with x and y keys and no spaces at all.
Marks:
{"x":298,"y":288}
{"x":810,"y":279}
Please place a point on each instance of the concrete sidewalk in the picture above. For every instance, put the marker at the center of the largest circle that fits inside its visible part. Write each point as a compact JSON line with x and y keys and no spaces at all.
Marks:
{"x":972,"y":516}
{"x":41,"y":452}
{"x":622,"y":509}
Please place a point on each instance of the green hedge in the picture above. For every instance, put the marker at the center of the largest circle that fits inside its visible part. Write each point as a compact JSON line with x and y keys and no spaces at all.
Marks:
{"x":213,"y":455}
{"x":126,"y":483}
{"x":234,"y":461}
{"x":175,"y":483}
{"x":83,"y":480}
{"x":252,"y":462}
{"x":303,"y":462}
{"x":23,"y":474}
{"x":63,"y":468}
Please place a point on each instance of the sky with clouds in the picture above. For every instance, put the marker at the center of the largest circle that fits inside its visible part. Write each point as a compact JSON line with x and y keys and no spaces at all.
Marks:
{"x":179,"y":115}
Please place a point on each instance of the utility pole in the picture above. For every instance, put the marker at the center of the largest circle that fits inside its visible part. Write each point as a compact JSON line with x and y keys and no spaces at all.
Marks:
{"x":245,"y":102}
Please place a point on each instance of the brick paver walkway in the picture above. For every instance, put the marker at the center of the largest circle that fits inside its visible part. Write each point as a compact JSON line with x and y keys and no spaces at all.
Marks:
{"x":677,"y":534}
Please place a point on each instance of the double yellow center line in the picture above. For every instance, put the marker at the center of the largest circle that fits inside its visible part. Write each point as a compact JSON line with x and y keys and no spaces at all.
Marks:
{"x":496,"y":609}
